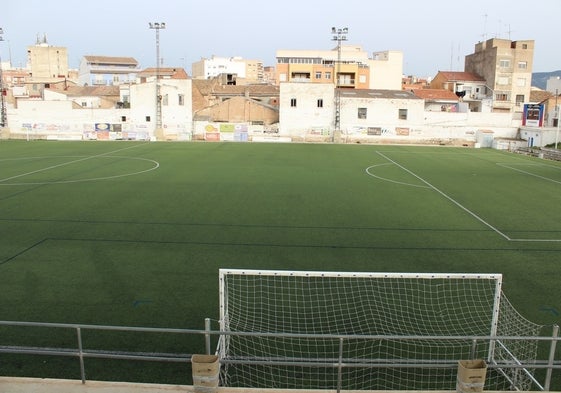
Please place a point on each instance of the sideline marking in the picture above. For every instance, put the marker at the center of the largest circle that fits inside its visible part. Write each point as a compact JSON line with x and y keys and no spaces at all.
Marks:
{"x":390,"y":180}
{"x":530,"y":173}
{"x":4,"y":182}
{"x":447,"y":197}
{"x":496,"y":230}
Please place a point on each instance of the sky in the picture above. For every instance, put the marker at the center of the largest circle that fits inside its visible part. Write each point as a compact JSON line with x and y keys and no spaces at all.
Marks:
{"x":433,"y":35}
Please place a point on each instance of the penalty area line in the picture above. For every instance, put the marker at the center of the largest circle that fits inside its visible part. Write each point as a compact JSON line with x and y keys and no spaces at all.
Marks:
{"x":481,"y":220}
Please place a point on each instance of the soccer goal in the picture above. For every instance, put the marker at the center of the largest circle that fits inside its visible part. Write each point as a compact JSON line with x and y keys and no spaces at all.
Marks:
{"x":375,"y":331}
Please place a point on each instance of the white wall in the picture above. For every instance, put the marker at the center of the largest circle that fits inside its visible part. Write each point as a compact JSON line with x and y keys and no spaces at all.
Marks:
{"x":386,"y":70}
{"x":306,"y":117}
{"x":56,"y":118}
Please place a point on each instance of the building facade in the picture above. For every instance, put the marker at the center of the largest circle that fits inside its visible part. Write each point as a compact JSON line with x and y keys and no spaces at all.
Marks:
{"x":467,"y":86}
{"x":107,"y":70}
{"x":350,"y":67}
{"x":347,"y":68}
{"x":241,"y":69}
{"x":506,"y":66}
{"x":386,"y":70}
{"x":46,"y":62}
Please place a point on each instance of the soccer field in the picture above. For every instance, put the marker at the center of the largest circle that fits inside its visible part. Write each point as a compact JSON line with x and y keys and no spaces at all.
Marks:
{"x":133,"y":234}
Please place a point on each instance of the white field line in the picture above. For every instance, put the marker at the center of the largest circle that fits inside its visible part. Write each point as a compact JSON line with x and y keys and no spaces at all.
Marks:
{"x":447,"y":197}
{"x":390,"y":180}
{"x":530,"y":173}
{"x":65,"y":163}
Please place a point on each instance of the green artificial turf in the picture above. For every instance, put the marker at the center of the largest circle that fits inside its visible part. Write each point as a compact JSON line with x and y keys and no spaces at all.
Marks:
{"x":133,"y":234}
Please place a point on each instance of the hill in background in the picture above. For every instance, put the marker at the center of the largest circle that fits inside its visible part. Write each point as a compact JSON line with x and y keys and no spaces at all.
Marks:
{"x":539,"y":79}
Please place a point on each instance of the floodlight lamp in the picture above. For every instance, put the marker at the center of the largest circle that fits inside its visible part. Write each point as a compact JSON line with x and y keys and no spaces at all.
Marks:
{"x":345,"y":30}
{"x":163,"y":25}
{"x":333,"y":30}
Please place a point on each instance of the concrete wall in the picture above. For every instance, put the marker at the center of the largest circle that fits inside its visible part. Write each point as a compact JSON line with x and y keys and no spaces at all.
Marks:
{"x":56,"y":119}
{"x":306,"y":117}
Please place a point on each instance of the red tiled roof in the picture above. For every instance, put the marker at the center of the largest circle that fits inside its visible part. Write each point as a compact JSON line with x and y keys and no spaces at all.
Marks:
{"x":461,"y":76}
{"x":111,"y":60}
{"x":170,"y":72}
{"x":436,"y":94}
{"x":91,"y":91}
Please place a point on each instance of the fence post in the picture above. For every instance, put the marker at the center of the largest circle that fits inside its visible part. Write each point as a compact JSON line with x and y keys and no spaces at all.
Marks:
{"x":549,"y":372}
{"x":81,"y":356}
{"x":207,"y":335}
{"x":340,"y":367}
{"x":473,"y":349}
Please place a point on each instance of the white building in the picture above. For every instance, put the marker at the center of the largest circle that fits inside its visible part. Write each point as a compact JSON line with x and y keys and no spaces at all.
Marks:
{"x":176,"y":104}
{"x":251,"y":70}
{"x":132,"y":114}
{"x":380,"y":112}
{"x":306,"y":110}
{"x":107,"y":70}
{"x":307,"y":113}
{"x":553,"y":85}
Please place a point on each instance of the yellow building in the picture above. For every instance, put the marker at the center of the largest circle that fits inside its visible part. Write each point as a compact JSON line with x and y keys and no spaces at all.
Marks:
{"x":347,"y":69}
{"x":46,"y":62}
{"x":507,"y":67}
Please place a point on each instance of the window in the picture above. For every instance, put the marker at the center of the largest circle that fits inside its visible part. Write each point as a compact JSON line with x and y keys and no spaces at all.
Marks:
{"x":123,"y":118}
{"x":522,"y":65}
{"x":505,"y":63}
{"x":503,"y":80}
{"x":293,"y":102}
{"x":501,"y":97}
{"x":519,"y":99}
{"x":402,"y":114}
{"x":362,"y":113}
{"x":148,"y":118}
{"x":320,"y":102}
{"x":165,"y":99}
{"x":524,"y":46}
{"x":84,"y":104}
{"x":328,"y":75}
{"x":318,"y":74}
{"x":181,"y":99}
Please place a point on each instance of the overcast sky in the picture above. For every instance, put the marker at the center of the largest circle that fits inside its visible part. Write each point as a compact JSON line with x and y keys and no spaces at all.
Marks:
{"x":432,"y":34}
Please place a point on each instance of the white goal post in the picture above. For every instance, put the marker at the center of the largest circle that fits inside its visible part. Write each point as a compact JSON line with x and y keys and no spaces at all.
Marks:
{"x":294,"y":329}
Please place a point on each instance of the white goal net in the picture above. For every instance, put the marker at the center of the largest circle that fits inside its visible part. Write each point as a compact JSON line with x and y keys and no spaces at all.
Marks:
{"x":374,"y":331}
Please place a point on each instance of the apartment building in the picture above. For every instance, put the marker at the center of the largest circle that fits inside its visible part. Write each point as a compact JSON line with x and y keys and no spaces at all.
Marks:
{"x":107,"y":70}
{"x":46,"y":62}
{"x":347,"y":69}
{"x":506,"y":66}
{"x":350,"y":67}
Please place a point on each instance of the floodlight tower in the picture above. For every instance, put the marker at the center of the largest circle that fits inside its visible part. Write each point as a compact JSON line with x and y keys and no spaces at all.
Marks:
{"x":158,"y":26}
{"x":338,"y":35}
{"x":3,"y":113}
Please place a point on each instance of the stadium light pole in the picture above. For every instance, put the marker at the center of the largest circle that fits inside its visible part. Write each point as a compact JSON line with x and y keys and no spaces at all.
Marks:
{"x":338,"y":35}
{"x":158,"y":26}
{"x":558,"y":121}
{"x":3,"y":114}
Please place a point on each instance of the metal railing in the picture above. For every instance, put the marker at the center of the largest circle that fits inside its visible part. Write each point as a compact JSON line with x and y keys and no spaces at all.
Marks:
{"x":80,"y":352}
